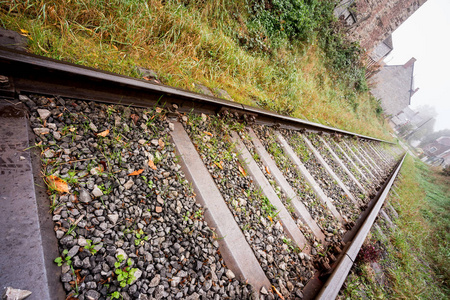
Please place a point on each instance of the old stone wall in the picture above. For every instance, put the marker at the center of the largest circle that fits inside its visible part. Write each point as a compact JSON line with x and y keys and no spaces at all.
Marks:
{"x":377,"y":19}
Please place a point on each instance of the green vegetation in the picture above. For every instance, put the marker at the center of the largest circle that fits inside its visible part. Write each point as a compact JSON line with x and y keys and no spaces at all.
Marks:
{"x":416,"y":255}
{"x":125,"y":274}
{"x":289,"y":56}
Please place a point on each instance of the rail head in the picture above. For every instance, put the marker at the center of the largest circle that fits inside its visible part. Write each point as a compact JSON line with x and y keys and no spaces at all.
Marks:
{"x":334,"y":283}
{"x":42,"y":75}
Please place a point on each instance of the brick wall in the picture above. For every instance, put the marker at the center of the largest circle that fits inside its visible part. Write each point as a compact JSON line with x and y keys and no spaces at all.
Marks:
{"x":377,"y":19}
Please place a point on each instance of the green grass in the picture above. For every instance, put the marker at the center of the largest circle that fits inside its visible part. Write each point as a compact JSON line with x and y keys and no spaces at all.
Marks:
{"x":417,"y":262}
{"x":289,"y":57}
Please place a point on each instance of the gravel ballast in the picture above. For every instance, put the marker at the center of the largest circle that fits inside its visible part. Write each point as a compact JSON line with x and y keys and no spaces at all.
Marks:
{"x":128,"y":225}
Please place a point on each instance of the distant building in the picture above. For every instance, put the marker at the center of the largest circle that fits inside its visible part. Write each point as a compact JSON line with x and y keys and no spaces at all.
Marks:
{"x":409,"y":116}
{"x":394,"y":86}
{"x":438,"y":152}
{"x":437,"y":147}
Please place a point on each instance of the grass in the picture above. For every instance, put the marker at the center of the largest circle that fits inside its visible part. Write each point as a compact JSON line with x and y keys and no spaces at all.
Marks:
{"x":263,"y":56}
{"x":417,"y":255}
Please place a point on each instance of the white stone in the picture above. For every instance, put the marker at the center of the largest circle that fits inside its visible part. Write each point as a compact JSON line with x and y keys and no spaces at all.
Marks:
{"x":97,"y":192}
{"x":43,"y":113}
{"x":113,"y":218}
{"x":128,"y":184}
{"x":93,"y":127}
{"x":230,"y":274}
{"x":171,"y":126}
{"x":41,"y":130}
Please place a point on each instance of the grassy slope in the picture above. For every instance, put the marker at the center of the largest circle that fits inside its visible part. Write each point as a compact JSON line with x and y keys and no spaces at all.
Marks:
{"x":417,"y":264}
{"x":194,"y":43}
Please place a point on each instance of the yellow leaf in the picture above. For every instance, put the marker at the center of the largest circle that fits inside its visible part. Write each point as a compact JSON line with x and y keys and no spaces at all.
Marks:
{"x":57,"y":184}
{"x":270,"y":218}
{"x":219,"y":165}
{"x":241,"y":169}
{"x":267,"y":170}
{"x":208,"y":133}
{"x":151,"y":164}
{"x":136,"y":172}
{"x":104,"y":133}
{"x":24,"y":31}
{"x":161,"y":143}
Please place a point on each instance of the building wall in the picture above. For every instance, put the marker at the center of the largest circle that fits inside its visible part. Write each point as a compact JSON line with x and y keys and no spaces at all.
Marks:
{"x":377,"y":19}
{"x":393,"y":85}
{"x":380,"y":52}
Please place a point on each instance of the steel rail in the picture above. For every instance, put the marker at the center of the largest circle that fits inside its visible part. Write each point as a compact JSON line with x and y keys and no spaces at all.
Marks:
{"x":37,"y":74}
{"x":334,"y":283}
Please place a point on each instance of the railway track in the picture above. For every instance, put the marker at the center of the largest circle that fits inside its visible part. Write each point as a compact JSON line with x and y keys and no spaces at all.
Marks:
{"x":156,"y":192}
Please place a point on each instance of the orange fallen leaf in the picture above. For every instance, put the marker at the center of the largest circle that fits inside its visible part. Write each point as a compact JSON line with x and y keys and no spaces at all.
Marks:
{"x":57,"y":184}
{"x":219,"y":165}
{"x":136,"y":172}
{"x":104,"y":133}
{"x":208,"y":133}
{"x":270,"y":218}
{"x":267,"y":170}
{"x":241,"y":169}
{"x":135,"y":118}
{"x":161,"y":143}
{"x":151,"y":164}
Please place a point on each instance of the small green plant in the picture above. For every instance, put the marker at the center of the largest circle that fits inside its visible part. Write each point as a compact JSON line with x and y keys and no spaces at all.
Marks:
{"x":140,"y":237}
{"x":186,"y":216}
{"x":90,"y":247}
{"x":60,"y":260}
{"x":125,"y":275}
{"x":116,"y":295}
{"x":290,"y":245}
{"x":105,"y":190}
{"x":198,"y":214}
{"x":149,"y":182}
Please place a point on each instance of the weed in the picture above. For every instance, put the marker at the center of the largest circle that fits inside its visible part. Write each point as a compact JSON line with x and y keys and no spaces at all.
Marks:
{"x":90,"y":246}
{"x":140,"y":237}
{"x":125,"y":274}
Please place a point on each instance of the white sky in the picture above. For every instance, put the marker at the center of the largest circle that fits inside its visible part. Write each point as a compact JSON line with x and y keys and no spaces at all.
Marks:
{"x":426,"y":36}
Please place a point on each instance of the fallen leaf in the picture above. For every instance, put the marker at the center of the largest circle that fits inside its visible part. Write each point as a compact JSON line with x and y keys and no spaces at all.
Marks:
{"x":219,"y":165}
{"x":267,"y":170}
{"x":158,"y":110}
{"x":241,"y":169}
{"x":135,"y":118}
{"x":136,"y":172}
{"x":161,"y":144}
{"x":24,"y":31}
{"x":104,"y":133}
{"x":270,"y":218}
{"x":57,"y":184}
{"x":151,"y":164}
{"x":208,"y":133}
